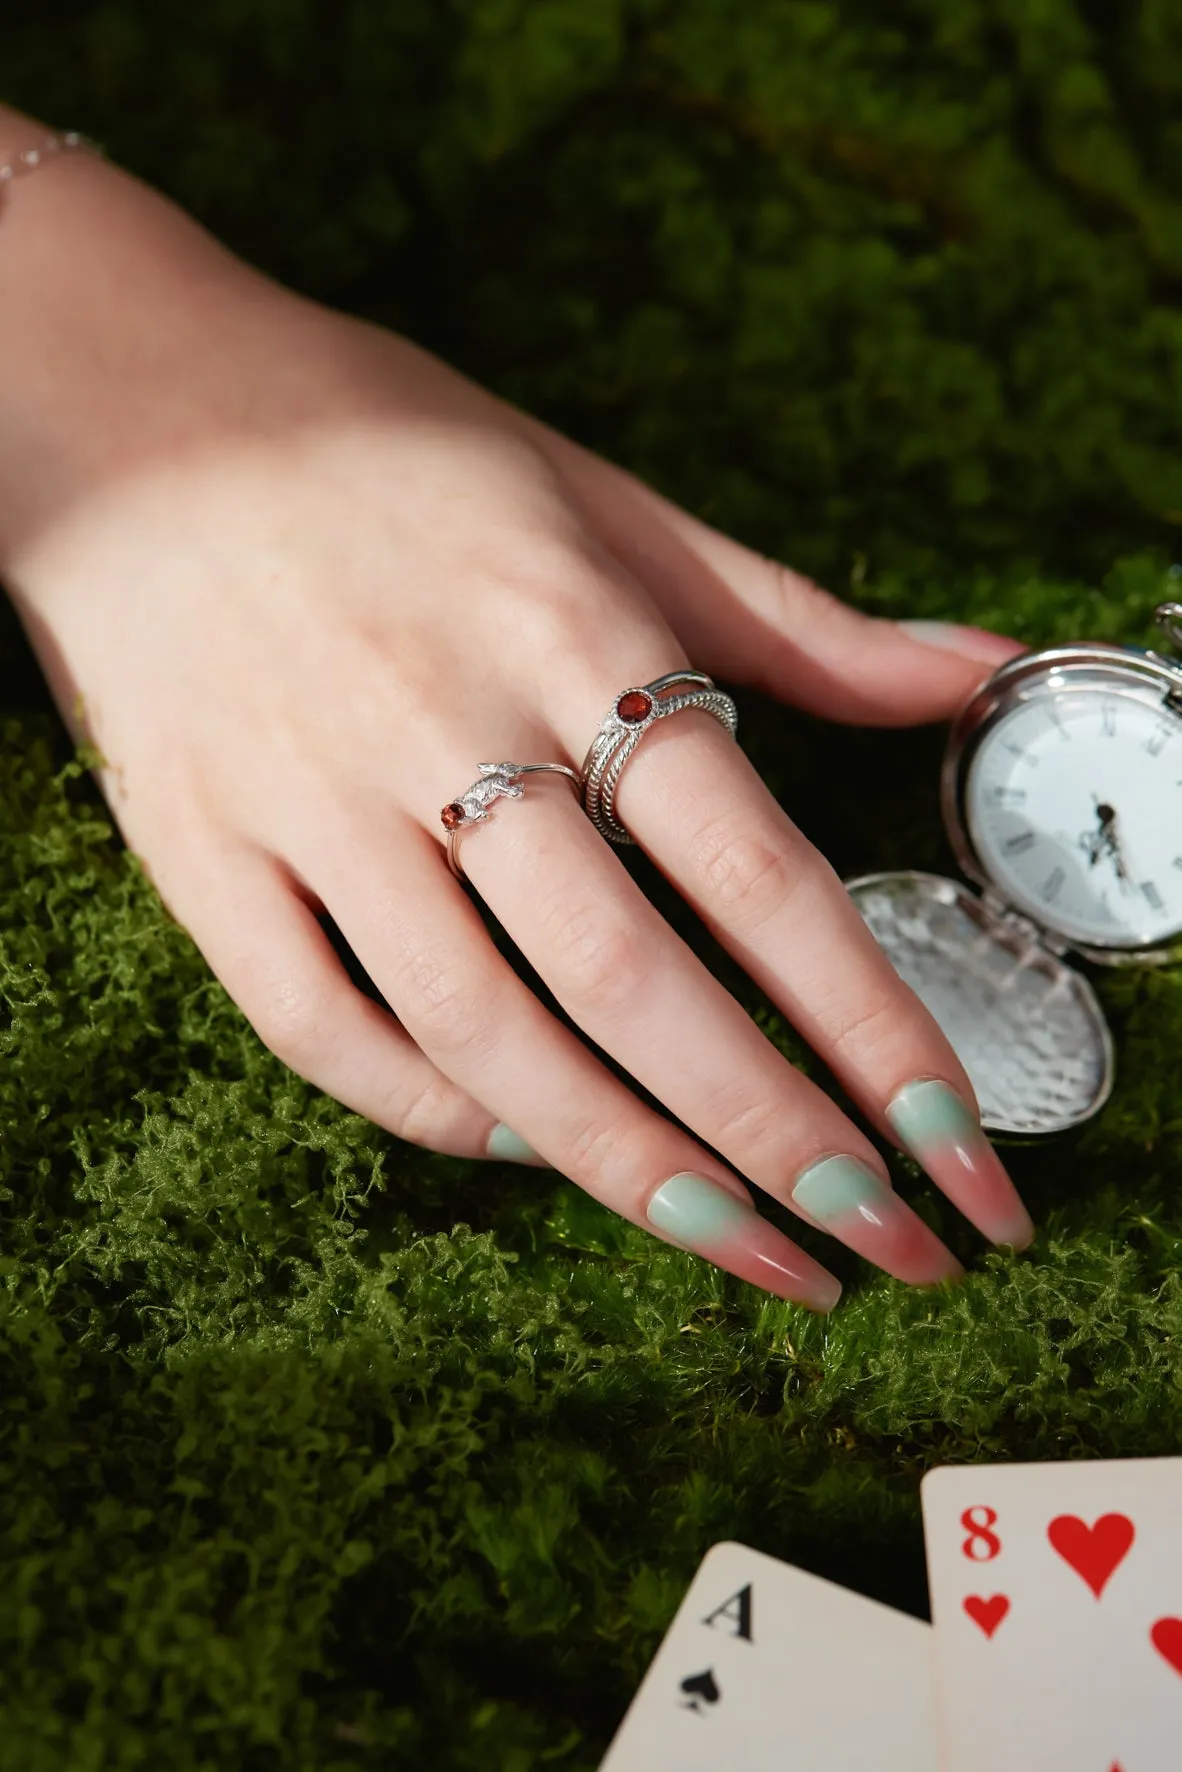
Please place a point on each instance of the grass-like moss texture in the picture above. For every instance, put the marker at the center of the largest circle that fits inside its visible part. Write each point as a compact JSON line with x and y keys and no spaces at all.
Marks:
{"x":320,"y":1452}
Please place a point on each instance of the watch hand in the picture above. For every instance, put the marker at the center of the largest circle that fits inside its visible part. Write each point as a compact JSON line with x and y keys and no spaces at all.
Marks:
{"x":1111,"y":839}
{"x":1115,"y":849}
{"x":1107,"y":838}
{"x":1096,"y":842}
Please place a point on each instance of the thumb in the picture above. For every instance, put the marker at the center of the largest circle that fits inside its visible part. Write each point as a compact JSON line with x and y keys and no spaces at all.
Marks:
{"x":781,"y":633}
{"x":752,"y":620}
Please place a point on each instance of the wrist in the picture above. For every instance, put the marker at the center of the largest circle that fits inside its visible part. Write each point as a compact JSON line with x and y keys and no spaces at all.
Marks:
{"x":116,"y":309}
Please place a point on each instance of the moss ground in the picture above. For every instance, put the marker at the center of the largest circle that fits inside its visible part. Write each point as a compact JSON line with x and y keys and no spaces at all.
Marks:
{"x":320,"y":1452}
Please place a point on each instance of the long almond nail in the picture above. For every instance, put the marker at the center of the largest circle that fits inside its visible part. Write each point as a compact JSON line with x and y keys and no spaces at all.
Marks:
{"x":975,"y":643}
{"x":937,"y":1127}
{"x":849,"y":1200}
{"x":708,"y":1219}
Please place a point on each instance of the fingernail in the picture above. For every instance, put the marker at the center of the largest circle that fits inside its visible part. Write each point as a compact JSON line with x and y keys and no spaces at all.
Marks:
{"x":707,"y":1218}
{"x":975,"y":643}
{"x":510,"y":1147}
{"x":941,"y":1132}
{"x":848,"y":1199}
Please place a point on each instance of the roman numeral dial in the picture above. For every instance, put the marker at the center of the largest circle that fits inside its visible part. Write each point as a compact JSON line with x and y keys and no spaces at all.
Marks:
{"x":1073,"y":802}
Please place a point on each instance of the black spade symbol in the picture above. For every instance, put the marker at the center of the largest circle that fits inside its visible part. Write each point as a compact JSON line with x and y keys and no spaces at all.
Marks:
{"x":700,"y":1690}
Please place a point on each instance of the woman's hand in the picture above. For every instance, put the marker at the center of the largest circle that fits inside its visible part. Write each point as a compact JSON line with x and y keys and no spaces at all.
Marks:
{"x":304,"y":577}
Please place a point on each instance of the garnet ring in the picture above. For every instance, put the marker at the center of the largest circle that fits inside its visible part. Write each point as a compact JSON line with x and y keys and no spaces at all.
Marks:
{"x":632,"y":713}
{"x":498,"y":781}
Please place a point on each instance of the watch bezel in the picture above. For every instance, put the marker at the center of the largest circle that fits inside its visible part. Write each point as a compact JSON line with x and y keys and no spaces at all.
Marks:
{"x":1145,"y":673}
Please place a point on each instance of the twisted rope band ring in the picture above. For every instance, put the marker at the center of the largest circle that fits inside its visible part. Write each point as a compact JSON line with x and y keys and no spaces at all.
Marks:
{"x":632,"y":714}
{"x":498,"y":781}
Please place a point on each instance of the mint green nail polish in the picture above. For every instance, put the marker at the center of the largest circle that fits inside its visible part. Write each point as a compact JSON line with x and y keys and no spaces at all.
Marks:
{"x":696,"y":1211}
{"x":928,"y":1113}
{"x":943,"y":1133}
{"x":510,"y":1147}
{"x":705,"y":1217}
{"x":836,"y":1186}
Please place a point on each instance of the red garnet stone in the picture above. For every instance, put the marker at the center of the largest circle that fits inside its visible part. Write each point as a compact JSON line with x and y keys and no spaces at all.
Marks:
{"x":634,"y":706}
{"x":452,"y":815}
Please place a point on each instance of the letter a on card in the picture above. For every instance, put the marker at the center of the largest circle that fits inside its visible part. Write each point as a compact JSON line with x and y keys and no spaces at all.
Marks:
{"x":736,"y":1612}
{"x":766,"y":1668}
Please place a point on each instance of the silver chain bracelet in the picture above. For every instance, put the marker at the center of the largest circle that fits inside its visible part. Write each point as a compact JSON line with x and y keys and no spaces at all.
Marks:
{"x":29,"y":159}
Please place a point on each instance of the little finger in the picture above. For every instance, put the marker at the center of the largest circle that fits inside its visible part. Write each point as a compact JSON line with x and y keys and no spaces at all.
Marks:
{"x":278,"y":965}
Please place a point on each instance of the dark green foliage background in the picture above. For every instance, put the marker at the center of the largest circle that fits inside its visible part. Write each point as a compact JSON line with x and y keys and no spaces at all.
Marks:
{"x":318,"y":1451}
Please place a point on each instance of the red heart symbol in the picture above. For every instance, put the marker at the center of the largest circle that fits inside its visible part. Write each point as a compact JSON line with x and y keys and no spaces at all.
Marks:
{"x":1092,"y":1551}
{"x":1166,"y":1637}
{"x":987,"y":1613}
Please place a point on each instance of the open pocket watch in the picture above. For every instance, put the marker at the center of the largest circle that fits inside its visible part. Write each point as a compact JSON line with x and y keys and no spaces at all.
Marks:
{"x":1061,"y":793}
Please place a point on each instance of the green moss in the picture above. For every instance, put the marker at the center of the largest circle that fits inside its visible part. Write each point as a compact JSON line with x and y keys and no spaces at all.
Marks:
{"x":320,"y":1452}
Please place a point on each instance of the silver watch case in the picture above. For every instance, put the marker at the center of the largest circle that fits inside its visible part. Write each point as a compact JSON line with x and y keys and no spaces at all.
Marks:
{"x":1027,"y":1027}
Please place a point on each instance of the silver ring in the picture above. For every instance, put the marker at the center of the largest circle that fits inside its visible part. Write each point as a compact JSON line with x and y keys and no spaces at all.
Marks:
{"x":633,"y":712}
{"x":498,"y":781}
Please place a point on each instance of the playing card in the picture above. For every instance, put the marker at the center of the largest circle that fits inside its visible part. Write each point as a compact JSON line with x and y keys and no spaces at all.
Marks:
{"x":767,"y":1669}
{"x":1057,"y":1612}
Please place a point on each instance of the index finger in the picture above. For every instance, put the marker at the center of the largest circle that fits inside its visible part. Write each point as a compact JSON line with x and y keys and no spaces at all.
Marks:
{"x":695,"y":804}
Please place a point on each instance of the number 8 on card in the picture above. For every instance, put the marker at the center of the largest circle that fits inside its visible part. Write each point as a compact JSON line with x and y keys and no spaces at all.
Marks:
{"x":1056,"y":1596}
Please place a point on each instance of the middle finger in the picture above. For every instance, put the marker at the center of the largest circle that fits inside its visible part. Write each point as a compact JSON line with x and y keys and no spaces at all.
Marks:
{"x":704,"y":815}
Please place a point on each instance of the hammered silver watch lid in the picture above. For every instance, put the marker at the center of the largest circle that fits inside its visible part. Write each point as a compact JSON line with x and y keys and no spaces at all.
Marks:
{"x":1027,"y":1027}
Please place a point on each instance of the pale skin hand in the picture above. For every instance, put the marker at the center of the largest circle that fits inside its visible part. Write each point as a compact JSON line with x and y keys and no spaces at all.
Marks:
{"x":304,"y":576}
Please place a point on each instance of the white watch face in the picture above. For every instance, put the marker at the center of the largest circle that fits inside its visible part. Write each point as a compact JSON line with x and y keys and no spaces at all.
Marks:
{"x":1074,"y":805}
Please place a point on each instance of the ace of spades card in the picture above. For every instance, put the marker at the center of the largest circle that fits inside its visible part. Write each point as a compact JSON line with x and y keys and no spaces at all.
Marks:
{"x":765,"y":1667}
{"x":1057,"y":1615}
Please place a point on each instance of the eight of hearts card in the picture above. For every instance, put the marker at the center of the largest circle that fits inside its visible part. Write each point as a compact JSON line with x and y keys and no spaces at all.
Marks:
{"x":767,"y":1669}
{"x":1057,"y":1612}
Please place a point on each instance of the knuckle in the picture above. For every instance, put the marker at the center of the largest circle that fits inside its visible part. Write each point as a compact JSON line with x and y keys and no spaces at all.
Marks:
{"x":293,"y":1018}
{"x":530,"y":569}
{"x":601,"y":955}
{"x":429,"y":1106}
{"x":537,"y":549}
{"x":874,"y":1024}
{"x":748,"y":1122}
{"x":744,"y":872}
{"x":592,"y":1147}
{"x":614,"y":1160}
{"x":571,"y":614}
{"x":556,"y":578}
{"x":452,"y":1009}
{"x":795,"y":598}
